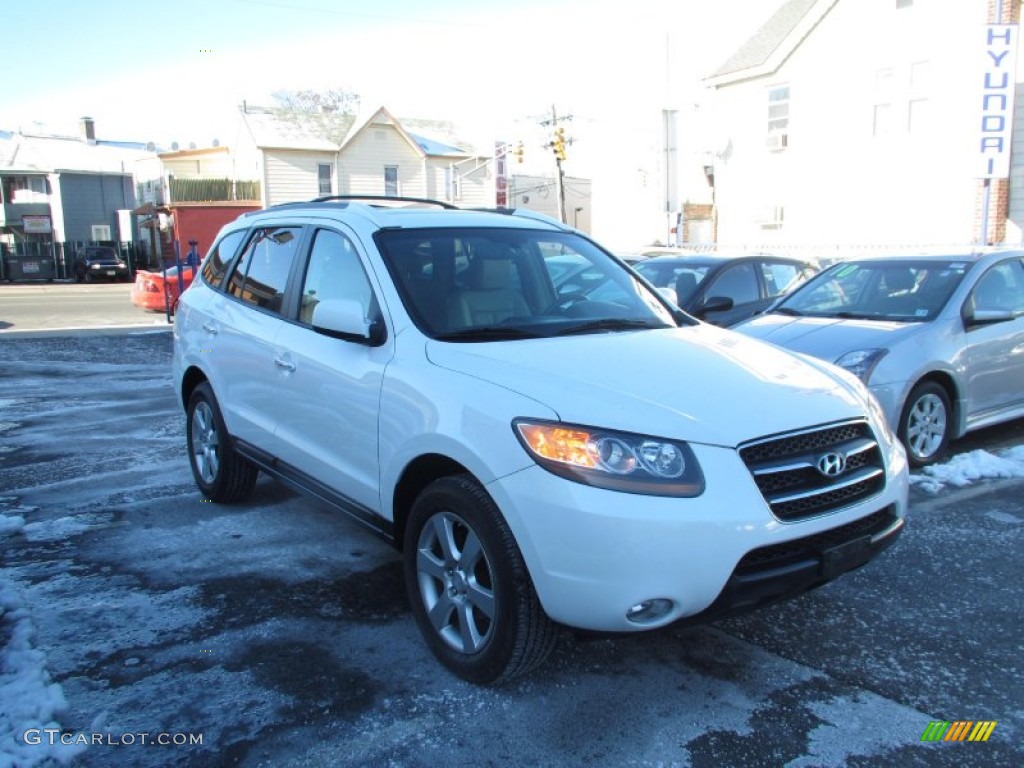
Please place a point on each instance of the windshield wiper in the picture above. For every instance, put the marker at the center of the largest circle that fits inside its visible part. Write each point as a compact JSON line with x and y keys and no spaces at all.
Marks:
{"x":607,"y":324}
{"x":855,"y":316}
{"x":488,"y":333}
{"x":787,"y":311}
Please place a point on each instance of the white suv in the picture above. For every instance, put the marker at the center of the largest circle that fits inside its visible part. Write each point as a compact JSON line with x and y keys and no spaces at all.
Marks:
{"x":546,"y":450}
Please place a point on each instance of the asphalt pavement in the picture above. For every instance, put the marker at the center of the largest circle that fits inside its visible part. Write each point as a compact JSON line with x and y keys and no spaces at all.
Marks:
{"x":29,"y":309}
{"x":279,"y":633}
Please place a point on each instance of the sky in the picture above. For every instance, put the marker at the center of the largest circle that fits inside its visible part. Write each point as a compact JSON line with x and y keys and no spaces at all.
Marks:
{"x":177,"y":72}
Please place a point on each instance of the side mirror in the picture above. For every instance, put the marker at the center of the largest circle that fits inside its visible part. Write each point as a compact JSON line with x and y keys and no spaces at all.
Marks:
{"x":346,"y":319}
{"x":714,"y":304}
{"x":988,"y":317}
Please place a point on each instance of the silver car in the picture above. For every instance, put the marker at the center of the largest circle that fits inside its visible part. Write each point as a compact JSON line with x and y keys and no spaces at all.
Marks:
{"x":938,"y":339}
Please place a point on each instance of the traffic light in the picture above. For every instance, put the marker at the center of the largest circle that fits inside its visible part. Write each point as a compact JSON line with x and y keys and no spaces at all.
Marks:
{"x":517,"y":151}
{"x":558,"y":143}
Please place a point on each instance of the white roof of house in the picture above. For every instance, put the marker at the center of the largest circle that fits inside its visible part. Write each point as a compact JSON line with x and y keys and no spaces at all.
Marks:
{"x":275,"y":128}
{"x":30,"y":153}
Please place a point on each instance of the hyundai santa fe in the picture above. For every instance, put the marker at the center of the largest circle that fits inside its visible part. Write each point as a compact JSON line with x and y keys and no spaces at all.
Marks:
{"x":542,"y":460}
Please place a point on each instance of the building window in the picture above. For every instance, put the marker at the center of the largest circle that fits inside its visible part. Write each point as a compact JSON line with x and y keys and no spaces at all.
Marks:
{"x":778,"y":118}
{"x":325,"y":177}
{"x":452,"y":184}
{"x":917,"y":101}
{"x":901,"y":103}
{"x":882,"y":119}
{"x":391,"y":180}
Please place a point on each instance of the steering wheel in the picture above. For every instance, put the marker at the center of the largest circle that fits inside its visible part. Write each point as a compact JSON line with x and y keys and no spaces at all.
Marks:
{"x":565,"y":301}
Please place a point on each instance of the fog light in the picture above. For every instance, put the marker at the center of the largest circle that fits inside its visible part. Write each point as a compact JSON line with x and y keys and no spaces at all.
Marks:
{"x":649,"y":611}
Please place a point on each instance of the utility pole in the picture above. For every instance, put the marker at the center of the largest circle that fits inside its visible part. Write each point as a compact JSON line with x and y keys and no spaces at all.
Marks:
{"x":557,"y":144}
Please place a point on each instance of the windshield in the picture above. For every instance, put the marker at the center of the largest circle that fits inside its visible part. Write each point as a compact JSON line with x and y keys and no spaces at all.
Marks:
{"x":494,"y":284}
{"x":900,"y":290}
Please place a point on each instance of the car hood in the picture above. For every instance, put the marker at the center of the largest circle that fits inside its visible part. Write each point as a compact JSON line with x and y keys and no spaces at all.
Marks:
{"x":699,"y":383}
{"x":828,"y":338}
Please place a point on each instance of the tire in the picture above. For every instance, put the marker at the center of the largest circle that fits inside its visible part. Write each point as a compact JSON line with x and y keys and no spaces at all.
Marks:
{"x":221,"y":474}
{"x":925,"y":424}
{"x":470,"y":592}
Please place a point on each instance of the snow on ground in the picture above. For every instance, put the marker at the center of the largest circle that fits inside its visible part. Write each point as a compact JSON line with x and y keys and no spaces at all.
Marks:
{"x":29,"y":702}
{"x":968,"y":468}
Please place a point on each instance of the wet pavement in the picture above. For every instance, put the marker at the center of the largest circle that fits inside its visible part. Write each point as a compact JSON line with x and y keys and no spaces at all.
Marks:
{"x":279,"y":632}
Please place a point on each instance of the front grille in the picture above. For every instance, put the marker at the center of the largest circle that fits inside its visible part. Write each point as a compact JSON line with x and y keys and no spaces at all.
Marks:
{"x":785,"y":468}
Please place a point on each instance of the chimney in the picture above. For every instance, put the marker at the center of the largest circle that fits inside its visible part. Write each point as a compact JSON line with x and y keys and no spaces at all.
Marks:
{"x":88,"y":127}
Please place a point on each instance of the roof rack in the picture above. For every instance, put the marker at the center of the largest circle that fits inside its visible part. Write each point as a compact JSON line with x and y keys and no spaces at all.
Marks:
{"x":385,"y":199}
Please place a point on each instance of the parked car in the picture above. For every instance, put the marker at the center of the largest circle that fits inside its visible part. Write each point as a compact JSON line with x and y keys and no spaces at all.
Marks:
{"x":100,"y":262}
{"x":541,"y":460}
{"x":159,"y":291}
{"x":938,"y":339}
{"x":724,"y":289}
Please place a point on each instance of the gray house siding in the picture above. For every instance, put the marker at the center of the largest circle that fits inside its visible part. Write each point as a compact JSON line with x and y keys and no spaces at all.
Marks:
{"x":89,"y":199}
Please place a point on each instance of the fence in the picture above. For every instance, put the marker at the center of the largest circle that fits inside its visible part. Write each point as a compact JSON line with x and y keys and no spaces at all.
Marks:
{"x":56,"y":261}
{"x":212,"y":190}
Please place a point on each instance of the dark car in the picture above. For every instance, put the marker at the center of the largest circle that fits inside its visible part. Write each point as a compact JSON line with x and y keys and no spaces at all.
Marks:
{"x":100,"y":262}
{"x":721,"y":289}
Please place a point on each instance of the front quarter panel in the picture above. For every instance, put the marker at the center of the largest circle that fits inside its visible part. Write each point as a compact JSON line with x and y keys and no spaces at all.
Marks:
{"x":429,"y":410}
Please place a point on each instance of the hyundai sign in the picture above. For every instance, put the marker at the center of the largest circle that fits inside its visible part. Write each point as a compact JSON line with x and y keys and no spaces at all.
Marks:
{"x":1000,"y":70}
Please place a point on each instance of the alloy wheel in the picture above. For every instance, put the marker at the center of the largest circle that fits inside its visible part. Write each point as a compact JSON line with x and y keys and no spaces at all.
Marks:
{"x":456,"y":582}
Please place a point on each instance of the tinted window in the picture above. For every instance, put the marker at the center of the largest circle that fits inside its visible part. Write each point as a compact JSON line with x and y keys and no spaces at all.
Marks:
{"x":478,"y":284}
{"x":217,"y":260}
{"x":738,"y":282}
{"x":262,"y":272}
{"x":1001,"y":288}
{"x":334,"y":272}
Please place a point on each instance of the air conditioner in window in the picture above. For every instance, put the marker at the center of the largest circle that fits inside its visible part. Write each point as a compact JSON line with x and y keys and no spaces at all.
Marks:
{"x":771,"y":216}
{"x":777,"y":141}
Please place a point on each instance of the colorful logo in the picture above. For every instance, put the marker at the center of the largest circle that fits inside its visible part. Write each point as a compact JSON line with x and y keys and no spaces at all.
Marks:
{"x":958,"y":730}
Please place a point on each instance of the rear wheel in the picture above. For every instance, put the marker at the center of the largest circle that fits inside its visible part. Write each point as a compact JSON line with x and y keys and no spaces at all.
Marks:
{"x":926,"y":423}
{"x":471,"y":594}
{"x":221,"y":474}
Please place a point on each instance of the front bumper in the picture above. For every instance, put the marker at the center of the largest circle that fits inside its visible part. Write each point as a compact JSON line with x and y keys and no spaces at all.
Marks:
{"x":593,"y":554}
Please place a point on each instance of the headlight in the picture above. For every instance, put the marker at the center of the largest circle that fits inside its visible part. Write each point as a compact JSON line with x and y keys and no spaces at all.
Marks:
{"x":618,"y":461}
{"x":861,"y":362}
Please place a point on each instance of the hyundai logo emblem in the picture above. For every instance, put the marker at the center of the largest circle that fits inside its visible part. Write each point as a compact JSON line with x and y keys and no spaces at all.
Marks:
{"x":832,"y":464}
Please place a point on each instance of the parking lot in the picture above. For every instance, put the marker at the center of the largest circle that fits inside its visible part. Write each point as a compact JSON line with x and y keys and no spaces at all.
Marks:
{"x":278,"y":633}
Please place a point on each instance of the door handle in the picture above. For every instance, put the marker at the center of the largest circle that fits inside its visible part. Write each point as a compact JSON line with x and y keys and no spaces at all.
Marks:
{"x":284,"y":365}
{"x":210,"y":328}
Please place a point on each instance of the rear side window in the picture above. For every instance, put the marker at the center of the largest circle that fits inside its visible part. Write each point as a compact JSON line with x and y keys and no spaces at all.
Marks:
{"x":261,"y":276}
{"x":215,"y":266}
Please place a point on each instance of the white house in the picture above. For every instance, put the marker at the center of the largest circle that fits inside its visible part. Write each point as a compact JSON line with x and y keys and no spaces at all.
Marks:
{"x":859,"y":122}
{"x":300,"y":156}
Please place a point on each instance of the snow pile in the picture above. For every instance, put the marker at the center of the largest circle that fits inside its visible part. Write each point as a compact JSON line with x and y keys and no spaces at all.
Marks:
{"x":967,"y":468}
{"x":11,"y":524}
{"x":28,"y":700}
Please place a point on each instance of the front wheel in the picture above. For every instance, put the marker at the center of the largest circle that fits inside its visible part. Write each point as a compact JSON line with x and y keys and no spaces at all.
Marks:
{"x":471,"y":594}
{"x":221,"y":474}
{"x":926,"y":423}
